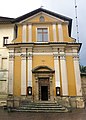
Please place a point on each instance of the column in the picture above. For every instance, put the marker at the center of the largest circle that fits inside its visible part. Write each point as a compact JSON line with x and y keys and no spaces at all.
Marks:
{"x":24,"y":33}
{"x":30,"y":33}
{"x":56,"y":67}
{"x":11,"y":72}
{"x":23,"y":72}
{"x":77,"y":75}
{"x":0,"y":60}
{"x":29,"y":69}
{"x":63,"y":74}
{"x":54,"y":33}
{"x":60,"y":31}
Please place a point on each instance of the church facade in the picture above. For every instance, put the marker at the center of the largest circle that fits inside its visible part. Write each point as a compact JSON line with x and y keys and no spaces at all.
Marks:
{"x":43,"y":60}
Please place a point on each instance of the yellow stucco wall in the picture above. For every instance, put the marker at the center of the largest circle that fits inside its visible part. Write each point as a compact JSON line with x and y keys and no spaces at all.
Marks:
{"x":71,"y":76}
{"x":17,"y":76}
{"x":66,"y":34}
{"x":19,"y":36}
{"x":33,"y":33}
{"x":57,"y":35}
{"x":50,"y":33}
{"x":43,"y":60}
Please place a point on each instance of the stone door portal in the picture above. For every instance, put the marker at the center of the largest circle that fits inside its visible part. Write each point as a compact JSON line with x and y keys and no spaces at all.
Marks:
{"x":44,"y":89}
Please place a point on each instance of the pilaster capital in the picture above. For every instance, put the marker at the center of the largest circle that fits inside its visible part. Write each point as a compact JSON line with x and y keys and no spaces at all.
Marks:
{"x":29,"y":55}
{"x":76,"y":57}
{"x":23,"y":56}
{"x":56,"y":56}
{"x":62,"y":57}
{"x":61,"y":50}
{"x":11,"y":57}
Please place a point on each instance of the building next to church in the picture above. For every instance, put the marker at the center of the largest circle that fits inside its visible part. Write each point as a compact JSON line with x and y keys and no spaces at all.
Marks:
{"x":43,"y":62}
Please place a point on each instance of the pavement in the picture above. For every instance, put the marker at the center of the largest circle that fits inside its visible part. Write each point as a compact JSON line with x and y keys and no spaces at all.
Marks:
{"x":79,"y":114}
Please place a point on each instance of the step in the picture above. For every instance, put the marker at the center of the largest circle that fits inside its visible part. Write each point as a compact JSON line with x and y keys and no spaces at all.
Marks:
{"x":40,"y":107}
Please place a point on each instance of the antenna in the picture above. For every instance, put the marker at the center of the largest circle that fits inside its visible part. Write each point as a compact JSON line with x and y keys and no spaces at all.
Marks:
{"x":76,"y":17}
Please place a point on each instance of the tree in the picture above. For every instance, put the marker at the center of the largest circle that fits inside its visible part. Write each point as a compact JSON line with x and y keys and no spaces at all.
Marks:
{"x":83,"y":69}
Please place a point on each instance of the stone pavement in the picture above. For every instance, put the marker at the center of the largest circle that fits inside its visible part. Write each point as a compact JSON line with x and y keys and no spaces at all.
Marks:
{"x":79,"y":114}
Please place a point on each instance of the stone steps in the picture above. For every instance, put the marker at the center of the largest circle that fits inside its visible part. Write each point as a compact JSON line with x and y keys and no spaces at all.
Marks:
{"x":40,"y":107}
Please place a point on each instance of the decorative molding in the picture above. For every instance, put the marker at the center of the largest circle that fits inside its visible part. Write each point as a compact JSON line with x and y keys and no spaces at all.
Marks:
{"x":29,"y":56}
{"x":23,"y":55}
{"x":62,"y":57}
{"x":76,"y":57}
{"x":11,"y":56}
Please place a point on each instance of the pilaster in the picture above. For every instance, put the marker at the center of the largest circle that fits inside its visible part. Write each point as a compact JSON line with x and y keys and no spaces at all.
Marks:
{"x":63,"y":73}
{"x":24,"y":33}
{"x":77,"y":75}
{"x":23,"y":72}
{"x":29,"y":55}
{"x":0,"y":60}
{"x":60,"y":31}
{"x":56,"y":67}
{"x":11,"y":72}
{"x":30,"y":33}
{"x":54,"y":33}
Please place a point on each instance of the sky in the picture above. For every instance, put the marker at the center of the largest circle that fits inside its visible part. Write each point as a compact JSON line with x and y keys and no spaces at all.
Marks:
{"x":16,"y":8}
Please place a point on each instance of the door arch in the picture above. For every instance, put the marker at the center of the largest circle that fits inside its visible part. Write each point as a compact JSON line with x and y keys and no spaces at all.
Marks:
{"x":43,"y":80}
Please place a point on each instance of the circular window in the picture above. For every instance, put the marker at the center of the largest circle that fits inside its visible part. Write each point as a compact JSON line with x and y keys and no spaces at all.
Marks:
{"x":42,"y":19}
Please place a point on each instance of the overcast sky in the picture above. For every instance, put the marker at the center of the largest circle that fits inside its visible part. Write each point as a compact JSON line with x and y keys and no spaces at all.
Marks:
{"x":16,"y":8}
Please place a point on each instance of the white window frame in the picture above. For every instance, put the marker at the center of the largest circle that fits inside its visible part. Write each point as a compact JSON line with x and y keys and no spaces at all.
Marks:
{"x":5,"y":40}
{"x":42,"y":27}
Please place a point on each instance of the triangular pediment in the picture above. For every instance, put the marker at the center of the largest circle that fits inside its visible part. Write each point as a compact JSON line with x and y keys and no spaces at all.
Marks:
{"x":47,"y":18}
{"x":42,"y":69}
{"x":36,"y":13}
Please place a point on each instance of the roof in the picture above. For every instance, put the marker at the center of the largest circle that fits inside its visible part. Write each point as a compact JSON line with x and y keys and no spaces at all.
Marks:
{"x":19,"y":19}
{"x":6,"y":20}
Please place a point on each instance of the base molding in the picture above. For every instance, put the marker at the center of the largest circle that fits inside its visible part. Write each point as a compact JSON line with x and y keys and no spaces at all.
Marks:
{"x":71,"y":101}
{"x":67,"y":101}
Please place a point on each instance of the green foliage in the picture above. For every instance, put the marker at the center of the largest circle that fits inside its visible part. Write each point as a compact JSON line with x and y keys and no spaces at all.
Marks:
{"x":83,"y":69}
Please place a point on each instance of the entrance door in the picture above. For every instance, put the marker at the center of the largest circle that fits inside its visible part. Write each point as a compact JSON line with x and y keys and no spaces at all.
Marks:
{"x":44,"y":93}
